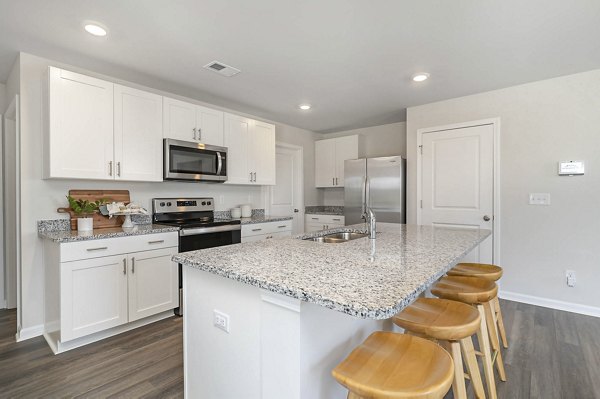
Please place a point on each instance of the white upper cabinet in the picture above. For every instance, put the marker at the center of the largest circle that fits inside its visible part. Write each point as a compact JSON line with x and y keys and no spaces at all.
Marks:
{"x":100,"y":130}
{"x":191,"y":122}
{"x":330,"y":155}
{"x":79,"y":140}
{"x":250,"y":151}
{"x":263,"y":151}
{"x":138,"y":135}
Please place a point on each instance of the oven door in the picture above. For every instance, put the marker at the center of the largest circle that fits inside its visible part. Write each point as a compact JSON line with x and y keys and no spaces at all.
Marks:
{"x":194,"y":161}
{"x":205,"y":237}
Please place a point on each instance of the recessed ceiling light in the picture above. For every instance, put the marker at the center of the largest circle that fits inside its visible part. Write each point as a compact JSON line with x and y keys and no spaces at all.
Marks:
{"x":304,"y":107}
{"x":420,"y":77}
{"x":95,"y":29}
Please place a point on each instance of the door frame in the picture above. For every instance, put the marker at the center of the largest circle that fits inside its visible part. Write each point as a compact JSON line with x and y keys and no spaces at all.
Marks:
{"x":299,"y":180}
{"x":495,"y":122}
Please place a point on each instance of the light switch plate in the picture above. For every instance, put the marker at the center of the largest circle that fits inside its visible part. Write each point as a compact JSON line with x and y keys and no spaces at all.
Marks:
{"x":539,"y":199}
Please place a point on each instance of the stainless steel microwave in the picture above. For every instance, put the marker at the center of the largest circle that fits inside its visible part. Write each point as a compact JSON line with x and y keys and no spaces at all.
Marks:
{"x":194,"y":161}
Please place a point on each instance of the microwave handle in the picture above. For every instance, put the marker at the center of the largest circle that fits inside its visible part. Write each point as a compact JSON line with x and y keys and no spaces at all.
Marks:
{"x":219,"y":163}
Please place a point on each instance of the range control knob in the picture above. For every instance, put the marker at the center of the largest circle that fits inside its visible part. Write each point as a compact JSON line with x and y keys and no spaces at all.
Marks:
{"x":203,"y":202}
{"x":208,"y":203}
{"x":162,"y":204}
{"x":168,"y":204}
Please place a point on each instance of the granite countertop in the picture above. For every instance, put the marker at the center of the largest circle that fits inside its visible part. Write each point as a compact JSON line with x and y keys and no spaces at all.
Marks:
{"x":324,"y":210}
{"x":62,"y":236}
{"x":339,"y":276}
{"x":260,"y":219}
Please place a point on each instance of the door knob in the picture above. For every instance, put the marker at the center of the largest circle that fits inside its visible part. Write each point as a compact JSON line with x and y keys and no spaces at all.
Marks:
{"x":296,"y":211}
{"x":486,"y":218}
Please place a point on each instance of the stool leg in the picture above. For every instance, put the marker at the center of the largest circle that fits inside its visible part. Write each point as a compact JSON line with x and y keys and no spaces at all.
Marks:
{"x":468,"y":351}
{"x":458,"y":384}
{"x":484,"y":346}
{"x":492,"y":330}
{"x":498,"y":312}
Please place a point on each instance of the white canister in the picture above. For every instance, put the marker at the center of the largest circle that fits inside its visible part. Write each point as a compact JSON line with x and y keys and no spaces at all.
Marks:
{"x":236,"y":213}
{"x":246,"y":211}
{"x":85,"y":224}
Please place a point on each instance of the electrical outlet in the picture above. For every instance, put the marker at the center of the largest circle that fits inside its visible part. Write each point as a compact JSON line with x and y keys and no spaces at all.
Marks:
{"x":221,"y":320}
{"x":571,"y":280}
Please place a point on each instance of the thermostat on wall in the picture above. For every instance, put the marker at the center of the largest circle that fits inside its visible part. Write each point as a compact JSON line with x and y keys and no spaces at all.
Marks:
{"x":570,"y":168}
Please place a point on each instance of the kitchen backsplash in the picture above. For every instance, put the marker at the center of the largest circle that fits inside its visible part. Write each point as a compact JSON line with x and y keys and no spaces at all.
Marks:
{"x":227,"y":214}
{"x":324,"y":210}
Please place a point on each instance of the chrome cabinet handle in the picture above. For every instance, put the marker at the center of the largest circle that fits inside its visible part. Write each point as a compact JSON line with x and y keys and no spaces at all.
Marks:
{"x":281,"y":227}
{"x":250,"y":176}
{"x":156,"y":242}
{"x":336,"y":182}
{"x":256,"y":229}
{"x":200,"y":134}
{"x":119,"y":169}
{"x":338,"y":220}
{"x":124,"y":266}
{"x":96,"y":249}
{"x":315,"y":218}
{"x":110,"y":172}
{"x":194,"y":129}
{"x":132,"y":264}
{"x":333,"y":181}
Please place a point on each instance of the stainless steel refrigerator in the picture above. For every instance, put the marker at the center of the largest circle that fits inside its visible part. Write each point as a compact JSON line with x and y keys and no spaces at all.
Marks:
{"x":381,"y":182}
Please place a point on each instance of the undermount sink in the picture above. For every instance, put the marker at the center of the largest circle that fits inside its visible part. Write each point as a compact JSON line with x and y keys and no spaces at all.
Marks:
{"x":335,"y":238}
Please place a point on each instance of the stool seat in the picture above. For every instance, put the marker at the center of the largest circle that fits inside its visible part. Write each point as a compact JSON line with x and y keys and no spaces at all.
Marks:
{"x":390,"y":365}
{"x":482,"y":270}
{"x":439,"y":318}
{"x":471,"y":290}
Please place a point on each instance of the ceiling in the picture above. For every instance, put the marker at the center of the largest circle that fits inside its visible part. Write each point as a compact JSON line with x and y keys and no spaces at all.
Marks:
{"x":351,"y":59}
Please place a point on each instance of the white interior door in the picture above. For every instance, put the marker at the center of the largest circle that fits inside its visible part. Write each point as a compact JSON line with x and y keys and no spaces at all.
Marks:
{"x":287,"y":196}
{"x":457,"y":182}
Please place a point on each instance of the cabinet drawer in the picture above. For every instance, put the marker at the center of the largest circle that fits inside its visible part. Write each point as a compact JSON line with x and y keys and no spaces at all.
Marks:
{"x":72,"y":251}
{"x":325,"y":219}
{"x":266,"y":228}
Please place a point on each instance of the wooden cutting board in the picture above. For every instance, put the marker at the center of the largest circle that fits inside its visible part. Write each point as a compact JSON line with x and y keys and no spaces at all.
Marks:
{"x":100,"y":222}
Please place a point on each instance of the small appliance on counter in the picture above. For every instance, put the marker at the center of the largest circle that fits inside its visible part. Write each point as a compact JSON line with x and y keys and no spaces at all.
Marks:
{"x":236,"y":213}
{"x":189,"y":161}
{"x":246,"y":211}
{"x":198,"y":227}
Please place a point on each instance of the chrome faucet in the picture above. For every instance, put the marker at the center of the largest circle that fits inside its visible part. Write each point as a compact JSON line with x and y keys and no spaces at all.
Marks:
{"x":371,"y":222}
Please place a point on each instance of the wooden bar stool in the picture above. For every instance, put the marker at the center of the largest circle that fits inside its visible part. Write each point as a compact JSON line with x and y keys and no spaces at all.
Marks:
{"x":489,"y":272}
{"x":390,"y":365}
{"x":479,"y":293}
{"x":453,"y":323}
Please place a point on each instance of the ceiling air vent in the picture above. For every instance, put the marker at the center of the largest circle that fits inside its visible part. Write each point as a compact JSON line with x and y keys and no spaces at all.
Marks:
{"x":222,"y":69}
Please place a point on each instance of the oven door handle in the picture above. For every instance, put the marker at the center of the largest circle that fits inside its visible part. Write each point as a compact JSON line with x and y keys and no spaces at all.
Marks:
{"x":219,"y":163}
{"x":206,"y":230}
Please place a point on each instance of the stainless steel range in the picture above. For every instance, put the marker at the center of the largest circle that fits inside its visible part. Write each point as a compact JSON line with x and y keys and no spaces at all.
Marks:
{"x":198,"y":227}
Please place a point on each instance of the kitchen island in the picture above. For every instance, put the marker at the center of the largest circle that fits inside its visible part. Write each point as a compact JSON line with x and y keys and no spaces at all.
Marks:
{"x":294,"y":308}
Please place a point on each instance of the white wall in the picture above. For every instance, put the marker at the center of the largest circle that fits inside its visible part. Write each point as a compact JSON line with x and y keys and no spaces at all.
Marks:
{"x":378,"y":141}
{"x":541,"y":123}
{"x":40,"y":198}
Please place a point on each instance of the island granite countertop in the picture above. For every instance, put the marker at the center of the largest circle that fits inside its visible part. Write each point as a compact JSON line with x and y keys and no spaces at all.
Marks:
{"x":339,"y":276}
{"x":260,"y":219}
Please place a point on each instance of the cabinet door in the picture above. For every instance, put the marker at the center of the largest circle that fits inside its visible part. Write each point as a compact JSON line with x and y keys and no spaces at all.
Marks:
{"x":93,"y":295}
{"x":80,"y":127}
{"x":179,"y":120}
{"x":138,"y":135}
{"x":345,"y":148}
{"x":263,"y":152}
{"x":325,"y":163}
{"x":209,"y":123}
{"x":153,"y":282}
{"x":310,"y":227}
{"x":237,"y":129}
{"x":257,"y":237}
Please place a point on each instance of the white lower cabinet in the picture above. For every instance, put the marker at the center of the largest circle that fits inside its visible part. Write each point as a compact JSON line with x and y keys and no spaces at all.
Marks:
{"x":266,"y":231}
{"x":93,"y":296}
{"x":322,"y":222}
{"x":88,"y":293}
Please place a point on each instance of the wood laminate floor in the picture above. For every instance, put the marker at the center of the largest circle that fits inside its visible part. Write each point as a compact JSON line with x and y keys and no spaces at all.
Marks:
{"x":143,"y":363}
{"x":552,"y":354}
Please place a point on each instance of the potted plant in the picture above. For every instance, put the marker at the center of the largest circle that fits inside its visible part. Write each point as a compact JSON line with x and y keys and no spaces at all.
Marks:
{"x":84,"y":210}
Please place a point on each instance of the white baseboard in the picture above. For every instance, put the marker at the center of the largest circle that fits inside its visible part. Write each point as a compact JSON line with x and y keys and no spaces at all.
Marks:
{"x":551,"y":303}
{"x":29,"y":332}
